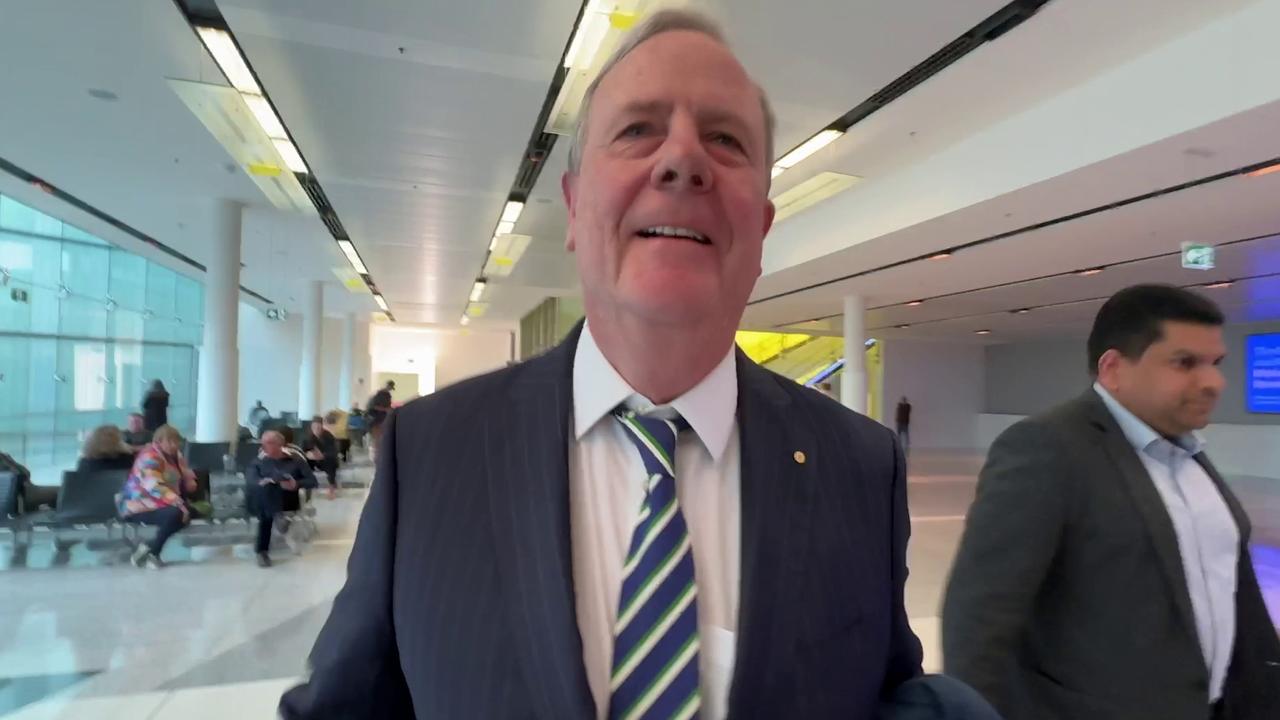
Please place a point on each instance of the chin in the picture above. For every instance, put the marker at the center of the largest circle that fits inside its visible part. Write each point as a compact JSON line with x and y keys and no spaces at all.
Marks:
{"x":685,"y":293}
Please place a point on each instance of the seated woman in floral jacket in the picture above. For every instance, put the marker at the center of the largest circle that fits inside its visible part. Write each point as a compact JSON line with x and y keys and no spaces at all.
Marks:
{"x":153,"y":493}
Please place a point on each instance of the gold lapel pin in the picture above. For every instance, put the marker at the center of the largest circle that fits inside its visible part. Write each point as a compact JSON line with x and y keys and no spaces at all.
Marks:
{"x":799,"y":457}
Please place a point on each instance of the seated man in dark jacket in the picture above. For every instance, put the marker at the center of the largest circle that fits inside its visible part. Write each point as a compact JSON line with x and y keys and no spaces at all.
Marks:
{"x":271,"y":476}
{"x":321,"y":449}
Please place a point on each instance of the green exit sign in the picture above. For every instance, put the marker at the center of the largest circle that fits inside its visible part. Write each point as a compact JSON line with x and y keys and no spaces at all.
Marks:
{"x":1197,"y":257}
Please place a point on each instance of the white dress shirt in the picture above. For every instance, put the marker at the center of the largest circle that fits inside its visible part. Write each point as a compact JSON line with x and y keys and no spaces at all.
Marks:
{"x":1208,"y":538}
{"x":606,"y":476}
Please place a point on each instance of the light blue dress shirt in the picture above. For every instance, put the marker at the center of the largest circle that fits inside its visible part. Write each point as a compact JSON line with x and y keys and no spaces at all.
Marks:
{"x":1208,"y":538}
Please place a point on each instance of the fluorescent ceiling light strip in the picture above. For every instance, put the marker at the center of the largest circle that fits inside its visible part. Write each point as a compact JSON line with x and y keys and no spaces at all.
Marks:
{"x":224,"y":51}
{"x":587,"y":38}
{"x":511,"y":213}
{"x":265,"y":115}
{"x":466,"y":319}
{"x":477,"y":291}
{"x":807,"y":148}
{"x":505,"y":228}
{"x":290,"y":155}
{"x":353,"y":257}
{"x":382,"y":303}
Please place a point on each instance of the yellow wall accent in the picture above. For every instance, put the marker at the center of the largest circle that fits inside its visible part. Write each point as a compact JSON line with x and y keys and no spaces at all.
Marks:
{"x":764,"y":346}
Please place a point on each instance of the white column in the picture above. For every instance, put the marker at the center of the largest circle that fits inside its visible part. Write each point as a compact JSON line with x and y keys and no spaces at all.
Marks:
{"x":363,"y":387}
{"x":853,"y":381}
{"x":217,"y":386}
{"x":309,"y":375}
{"x":346,"y":370}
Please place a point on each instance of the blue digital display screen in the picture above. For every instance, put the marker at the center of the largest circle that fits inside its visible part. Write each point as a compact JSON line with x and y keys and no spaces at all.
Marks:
{"x":1262,"y":373}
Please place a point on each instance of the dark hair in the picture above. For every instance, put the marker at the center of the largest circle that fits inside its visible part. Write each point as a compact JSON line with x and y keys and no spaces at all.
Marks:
{"x":1133,"y":319}
{"x":317,"y":419}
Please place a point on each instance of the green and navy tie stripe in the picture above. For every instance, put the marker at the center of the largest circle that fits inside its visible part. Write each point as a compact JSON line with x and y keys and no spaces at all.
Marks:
{"x":655,"y":651}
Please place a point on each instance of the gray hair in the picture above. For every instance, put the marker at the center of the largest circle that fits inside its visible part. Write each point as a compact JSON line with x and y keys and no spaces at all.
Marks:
{"x":663,"y":21}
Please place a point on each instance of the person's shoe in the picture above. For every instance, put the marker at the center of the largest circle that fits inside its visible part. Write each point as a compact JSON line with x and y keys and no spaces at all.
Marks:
{"x":333,"y":493}
{"x":139,"y":556}
{"x":264,"y":560}
{"x":153,"y":562}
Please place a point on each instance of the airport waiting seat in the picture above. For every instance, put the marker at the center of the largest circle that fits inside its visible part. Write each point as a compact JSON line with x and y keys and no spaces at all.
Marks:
{"x":246,"y":452}
{"x":207,"y":456}
{"x":10,"y":494}
{"x":88,"y":498}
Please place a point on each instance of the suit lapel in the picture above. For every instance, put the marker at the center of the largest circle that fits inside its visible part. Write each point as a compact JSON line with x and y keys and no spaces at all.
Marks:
{"x":1233,"y":503}
{"x":528,"y":477}
{"x":1150,"y":505}
{"x":774,"y":537}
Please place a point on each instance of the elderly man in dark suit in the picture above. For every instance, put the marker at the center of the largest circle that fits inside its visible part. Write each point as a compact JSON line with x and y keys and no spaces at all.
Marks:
{"x":1104,"y":571}
{"x":641,"y":523}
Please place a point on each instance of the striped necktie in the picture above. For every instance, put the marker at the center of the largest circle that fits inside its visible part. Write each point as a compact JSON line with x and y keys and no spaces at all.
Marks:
{"x":655,"y":651}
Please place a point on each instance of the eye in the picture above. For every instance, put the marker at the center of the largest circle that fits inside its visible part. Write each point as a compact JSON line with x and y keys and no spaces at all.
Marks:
{"x":723,"y":138}
{"x":635,"y":130}
{"x":1186,"y":363}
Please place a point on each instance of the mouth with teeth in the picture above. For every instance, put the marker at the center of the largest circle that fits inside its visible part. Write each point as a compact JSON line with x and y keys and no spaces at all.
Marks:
{"x":675,"y":232}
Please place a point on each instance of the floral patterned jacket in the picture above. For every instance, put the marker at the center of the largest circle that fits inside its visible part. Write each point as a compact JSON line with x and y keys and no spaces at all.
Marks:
{"x":155,"y":482}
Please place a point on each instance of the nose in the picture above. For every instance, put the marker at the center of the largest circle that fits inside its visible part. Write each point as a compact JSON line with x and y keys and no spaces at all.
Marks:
{"x":682,"y":164}
{"x":1213,"y":381}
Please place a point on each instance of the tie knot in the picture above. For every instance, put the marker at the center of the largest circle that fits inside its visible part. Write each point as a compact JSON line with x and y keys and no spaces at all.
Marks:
{"x":655,"y":437}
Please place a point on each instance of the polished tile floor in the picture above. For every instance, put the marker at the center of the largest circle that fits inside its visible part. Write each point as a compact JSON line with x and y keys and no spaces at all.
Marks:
{"x":214,"y":636}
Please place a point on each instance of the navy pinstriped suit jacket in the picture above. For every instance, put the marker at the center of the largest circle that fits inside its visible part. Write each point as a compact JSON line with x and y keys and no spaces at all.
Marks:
{"x":459,"y":596}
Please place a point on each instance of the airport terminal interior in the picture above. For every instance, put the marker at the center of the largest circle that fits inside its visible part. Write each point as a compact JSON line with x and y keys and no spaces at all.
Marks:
{"x":274,"y":208}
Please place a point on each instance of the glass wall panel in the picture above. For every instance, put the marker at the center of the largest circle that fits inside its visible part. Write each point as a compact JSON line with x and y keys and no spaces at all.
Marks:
{"x":85,"y":328}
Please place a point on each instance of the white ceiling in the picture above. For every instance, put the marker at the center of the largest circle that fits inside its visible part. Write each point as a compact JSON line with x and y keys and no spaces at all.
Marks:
{"x":866,"y":231}
{"x":413,"y":116}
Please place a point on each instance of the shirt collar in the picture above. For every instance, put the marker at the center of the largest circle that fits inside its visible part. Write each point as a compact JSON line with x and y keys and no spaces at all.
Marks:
{"x":1141,"y":435}
{"x":709,"y":407}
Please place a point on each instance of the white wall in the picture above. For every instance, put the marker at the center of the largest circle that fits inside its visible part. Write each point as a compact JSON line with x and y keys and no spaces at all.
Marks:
{"x":945,"y":384}
{"x":270,"y":354}
{"x":448,"y":355}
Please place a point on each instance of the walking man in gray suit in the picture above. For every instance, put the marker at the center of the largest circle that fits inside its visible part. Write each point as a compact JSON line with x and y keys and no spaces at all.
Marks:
{"x":1104,"y":572}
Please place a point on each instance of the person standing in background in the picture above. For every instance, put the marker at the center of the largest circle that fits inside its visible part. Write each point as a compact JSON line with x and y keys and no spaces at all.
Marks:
{"x":1104,"y":570}
{"x":258,"y":415}
{"x":155,"y":407}
{"x":379,"y":408}
{"x":902,"y":421}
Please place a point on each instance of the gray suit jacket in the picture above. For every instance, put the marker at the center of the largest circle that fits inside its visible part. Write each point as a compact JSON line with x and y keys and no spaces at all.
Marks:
{"x":1068,"y":599}
{"x":459,"y":594}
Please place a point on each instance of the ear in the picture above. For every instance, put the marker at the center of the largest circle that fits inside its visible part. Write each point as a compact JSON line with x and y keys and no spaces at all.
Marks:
{"x":1109,"y":366}
{"x":769,"y":212}
{"x":568,"y":183}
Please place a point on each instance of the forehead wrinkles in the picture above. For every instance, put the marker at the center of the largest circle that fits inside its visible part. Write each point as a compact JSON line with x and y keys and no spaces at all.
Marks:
{"x":656,"y":74}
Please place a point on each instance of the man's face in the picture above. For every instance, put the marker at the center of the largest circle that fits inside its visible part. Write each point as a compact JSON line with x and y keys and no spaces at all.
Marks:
{"x":317,"y":427}
{"x":135,"y":423}
{"x":273,"y":445}
{"x":675,"y":145}
{"x":1175,"y":385}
